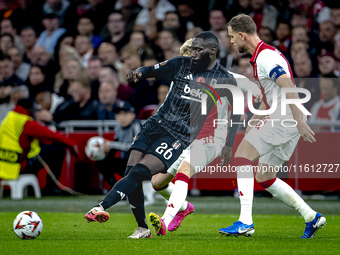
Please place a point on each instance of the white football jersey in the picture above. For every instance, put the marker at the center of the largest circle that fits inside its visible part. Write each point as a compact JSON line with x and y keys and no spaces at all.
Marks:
{"x":268,"y":65}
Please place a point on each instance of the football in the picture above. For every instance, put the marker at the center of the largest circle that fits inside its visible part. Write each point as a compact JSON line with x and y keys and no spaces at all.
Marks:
{"x":95,"y":148}
{"x":28,"y":225}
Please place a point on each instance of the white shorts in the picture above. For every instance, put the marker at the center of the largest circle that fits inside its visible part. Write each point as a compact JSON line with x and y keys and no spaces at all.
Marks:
{"x":199,"y":154}
{"x":275,"y":143}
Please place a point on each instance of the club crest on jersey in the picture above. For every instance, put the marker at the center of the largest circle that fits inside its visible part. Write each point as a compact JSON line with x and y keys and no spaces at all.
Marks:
{"x":200,"y":79}
{"x":163,"y":63}
{"x":176,"y":144}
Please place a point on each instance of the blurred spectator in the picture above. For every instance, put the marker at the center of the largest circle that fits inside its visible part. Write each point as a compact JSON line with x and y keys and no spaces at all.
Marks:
{"x":217,"y":21}
{"x":84,"y":48}
{"x":328,"y":107}
{"x":138,"y":40}
{"x":6,"y":26}
{"x":107,"y":95}
{"x":49,"y":102}
{"x":306,"y":78}
{"x":191,"y":33}
{"x":337,"y":56}
{"x":327,"y":63}
{"x":16,"y":93}
{"x":28,"y":38}
{"x":48,"y":38}
{"x":283,"y":34}
{"x":154,"y":11}
{"x":327,"y":32}
{"x":298,"y":48}
{"x":130,"y":10}
{"x":56,"y":7}
{"x":299,"y":18}
{"x":171,"y":21}
{"x":238,"y":7}
{"x":165,"y":40}
{"x":98,"y":12}
{"x":81,"y":106}
{"x":107,"y":54}
{"x":37,"y":80}
{"x":175,"y":49}
{"x":267,"y":35}
{"x":192,"y":14}
{"x":7,"y":71}
{"x":314,"y":9}
{"x":64,"y":39}
{"x":300,"y":33}
{"x":224,"y":49}
{"x":40,"y":57}
{"x":116,"y":26}
{"x":92,"y":71}
{"x":117,"y":150}
{"x":110,"y":74}
{"x":21,"y":68}
{"x":6,"y":42}
{"x":263,"y":14}
{"x":5,"y":91}
{"x":70,"y":69}
{"x":244,"y":66}
{"x":335,"y":17}
{"x":85,"y":26}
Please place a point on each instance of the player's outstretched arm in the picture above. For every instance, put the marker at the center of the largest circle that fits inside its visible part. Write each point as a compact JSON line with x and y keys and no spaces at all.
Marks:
{"x":305,"y":131}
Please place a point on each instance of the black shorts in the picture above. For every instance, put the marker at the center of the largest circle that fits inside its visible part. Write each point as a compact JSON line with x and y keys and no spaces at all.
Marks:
{"x":154,"y":139}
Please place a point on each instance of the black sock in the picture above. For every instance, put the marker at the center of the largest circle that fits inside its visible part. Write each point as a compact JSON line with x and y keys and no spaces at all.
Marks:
{"x":127,"y":185}
{"x":136,"y":201}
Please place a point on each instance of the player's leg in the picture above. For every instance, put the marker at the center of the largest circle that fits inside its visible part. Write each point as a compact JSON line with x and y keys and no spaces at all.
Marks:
{"x":136,"y":200}
{"x":266,"y":177}
{"x":254,"y":144}
{"x":97,"y":213}
{"x":244,"y":157}
{"x":162,"y":182}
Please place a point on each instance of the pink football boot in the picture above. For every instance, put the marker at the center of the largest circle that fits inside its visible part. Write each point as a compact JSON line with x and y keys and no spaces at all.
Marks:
{"x":178,"y":219}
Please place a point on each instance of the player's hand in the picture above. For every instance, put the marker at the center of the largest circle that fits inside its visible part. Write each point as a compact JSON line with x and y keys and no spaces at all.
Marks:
{"x":258,"y":98}
{"x":225,"y":155}
{"x":133,"y":76}
{"x":134,"y":139}
{"x":306,"y":132}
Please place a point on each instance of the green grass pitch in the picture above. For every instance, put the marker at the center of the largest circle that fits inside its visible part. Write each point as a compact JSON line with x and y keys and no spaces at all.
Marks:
{"x":69,"y":233}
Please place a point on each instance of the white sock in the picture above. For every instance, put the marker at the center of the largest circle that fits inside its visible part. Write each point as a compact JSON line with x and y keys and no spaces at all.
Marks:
{"x":176,"y":200}
{"x":148,"y":192}
{"x":287,"y":195}
{"x":245,"y":183}
{"x":166,"y":193}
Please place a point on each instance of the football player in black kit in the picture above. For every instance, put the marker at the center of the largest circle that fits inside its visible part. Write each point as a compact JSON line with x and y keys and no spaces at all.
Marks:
{"x":175,"y":125}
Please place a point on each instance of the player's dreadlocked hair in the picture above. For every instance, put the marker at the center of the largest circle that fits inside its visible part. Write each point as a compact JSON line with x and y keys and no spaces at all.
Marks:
{"x":208,"y":36}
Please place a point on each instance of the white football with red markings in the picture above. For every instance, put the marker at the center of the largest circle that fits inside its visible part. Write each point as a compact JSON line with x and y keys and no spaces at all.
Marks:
{"x":95,"y":148}
{"x":28,"y":225}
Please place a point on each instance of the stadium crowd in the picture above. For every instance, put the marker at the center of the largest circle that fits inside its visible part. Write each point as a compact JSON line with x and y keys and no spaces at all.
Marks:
{"x":71,"y":57}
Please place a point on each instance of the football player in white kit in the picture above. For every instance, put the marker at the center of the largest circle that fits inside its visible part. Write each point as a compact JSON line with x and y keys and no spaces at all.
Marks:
{"x":270,"y":141}
{"x":207,"y":146}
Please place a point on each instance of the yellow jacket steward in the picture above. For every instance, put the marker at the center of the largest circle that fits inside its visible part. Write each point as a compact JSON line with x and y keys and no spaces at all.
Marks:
{"x":10,"y":150}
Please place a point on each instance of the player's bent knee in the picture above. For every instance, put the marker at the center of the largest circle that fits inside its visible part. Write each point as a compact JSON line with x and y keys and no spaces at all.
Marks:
{"x":186,"y":168}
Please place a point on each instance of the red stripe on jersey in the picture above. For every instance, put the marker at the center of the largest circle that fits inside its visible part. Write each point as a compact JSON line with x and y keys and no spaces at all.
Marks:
{"x":208,"y":126}
{"x":260,"y":47}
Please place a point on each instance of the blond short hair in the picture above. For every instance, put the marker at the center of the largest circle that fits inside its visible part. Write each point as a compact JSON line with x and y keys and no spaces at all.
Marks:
{"x":186,"y":49}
